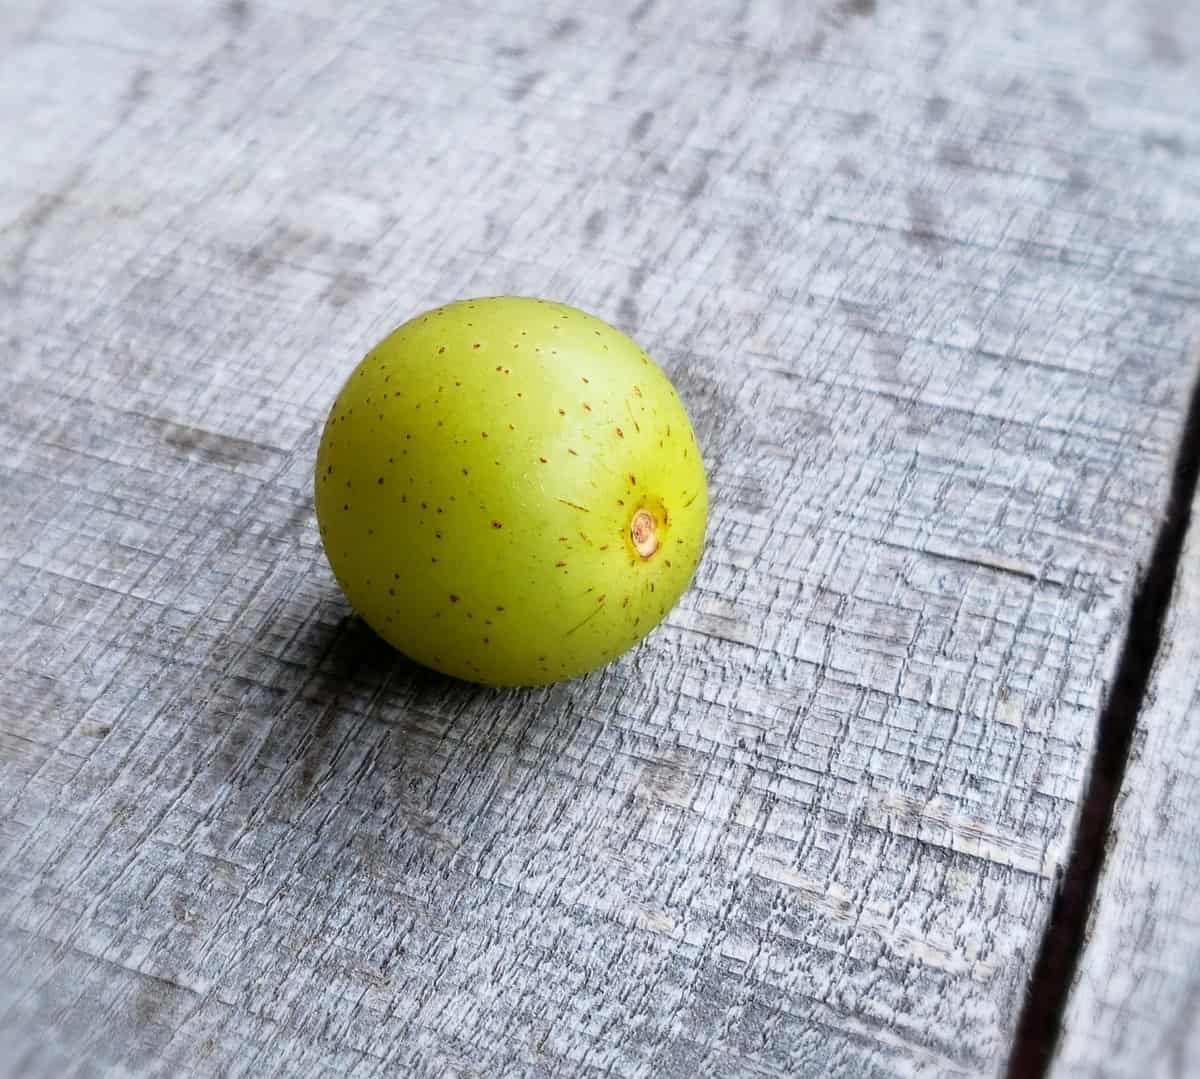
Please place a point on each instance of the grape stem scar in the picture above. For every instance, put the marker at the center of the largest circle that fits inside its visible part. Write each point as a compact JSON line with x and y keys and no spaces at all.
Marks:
{"x":643,"y":531}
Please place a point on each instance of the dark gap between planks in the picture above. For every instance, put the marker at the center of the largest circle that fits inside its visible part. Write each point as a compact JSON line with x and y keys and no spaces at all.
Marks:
{"x":1064,"y":941}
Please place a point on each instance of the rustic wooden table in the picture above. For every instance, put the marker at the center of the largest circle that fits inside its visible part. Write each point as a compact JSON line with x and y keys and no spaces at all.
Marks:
{"x":926,"y":275}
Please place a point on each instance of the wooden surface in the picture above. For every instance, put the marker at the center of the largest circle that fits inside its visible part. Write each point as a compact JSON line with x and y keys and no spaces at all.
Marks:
{"x":1135,"y":1008}
{"x":923,"y":276}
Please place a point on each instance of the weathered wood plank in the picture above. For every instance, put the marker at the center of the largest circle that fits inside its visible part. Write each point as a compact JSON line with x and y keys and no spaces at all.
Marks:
{"x":923,"y":276}
{"x":1135,"y":1005}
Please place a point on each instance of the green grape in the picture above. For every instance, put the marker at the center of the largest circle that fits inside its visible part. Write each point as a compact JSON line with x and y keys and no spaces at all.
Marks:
{"x":509,"y":491}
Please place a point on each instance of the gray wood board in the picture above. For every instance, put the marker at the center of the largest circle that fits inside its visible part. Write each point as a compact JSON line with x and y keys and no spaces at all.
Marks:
{"x":923,"y":276}
{"x":1135,"y":1006}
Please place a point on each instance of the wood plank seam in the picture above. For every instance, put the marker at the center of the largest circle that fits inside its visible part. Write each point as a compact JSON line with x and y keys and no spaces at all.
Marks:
{"x":1064,"y":942}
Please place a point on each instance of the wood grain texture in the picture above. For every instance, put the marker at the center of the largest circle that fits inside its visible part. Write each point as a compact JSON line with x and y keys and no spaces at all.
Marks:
{"x":1135,"y":1005}
{"x":923,"y":276}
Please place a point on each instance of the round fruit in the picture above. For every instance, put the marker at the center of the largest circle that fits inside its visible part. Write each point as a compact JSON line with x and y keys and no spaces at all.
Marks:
{"x":509,"y":491}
